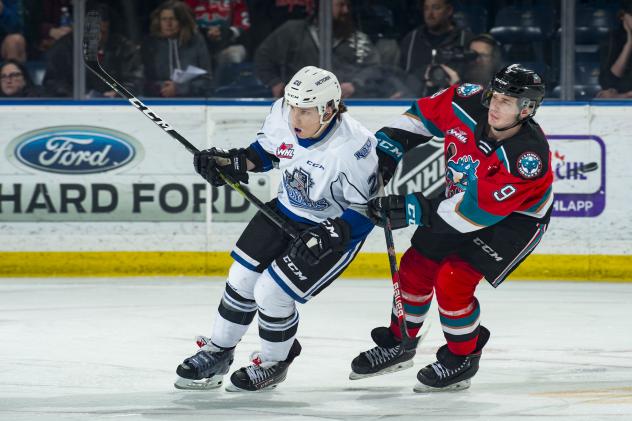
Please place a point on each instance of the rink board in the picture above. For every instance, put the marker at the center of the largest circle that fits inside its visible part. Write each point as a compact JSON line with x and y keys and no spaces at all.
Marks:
{"x":98,"y":189}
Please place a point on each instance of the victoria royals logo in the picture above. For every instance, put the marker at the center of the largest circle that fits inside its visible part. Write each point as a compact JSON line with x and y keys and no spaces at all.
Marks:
{"x":461,"y":172}
{"x":529,"y":165}
{"x":297,"y":185}
{"x":468,"y":89}
{"x":286,"y":150}
{"x":363,"y":152}
{"x":75,"y":149}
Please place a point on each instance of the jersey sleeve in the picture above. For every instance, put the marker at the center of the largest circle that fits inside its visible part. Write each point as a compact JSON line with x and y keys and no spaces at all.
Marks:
{"x":262,"y":152}
{"x":434,"y":111}
{"x":418,"y":125}
{"x":358,"y":183}
{"x":488,"y":200}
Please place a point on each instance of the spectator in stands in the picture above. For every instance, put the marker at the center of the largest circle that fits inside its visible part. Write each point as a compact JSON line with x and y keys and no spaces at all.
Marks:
{"x":224,"y":24}
{"x":294,"y":45}
{"x":173,"y":46}
{"x":121,"y":58}
{"x":615,"y":74}
{"x":268,"y":15}
{"x":15,"y":81}
{"x":12,"y":42}
{"x":51,"y":20}
{"x":433,"y":51}
{"x":482,"y":69}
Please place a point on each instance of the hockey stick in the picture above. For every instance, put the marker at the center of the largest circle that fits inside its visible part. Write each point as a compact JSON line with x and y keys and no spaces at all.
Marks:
{"x":397,"y":295}
{"x":588,"y":167}
{"x":91,"y":38}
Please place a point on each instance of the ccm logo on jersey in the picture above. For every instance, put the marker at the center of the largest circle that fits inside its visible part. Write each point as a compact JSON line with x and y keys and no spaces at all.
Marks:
{"x":458,"y":133}
{"x":487,"y":249}
{"x":286,"y":150}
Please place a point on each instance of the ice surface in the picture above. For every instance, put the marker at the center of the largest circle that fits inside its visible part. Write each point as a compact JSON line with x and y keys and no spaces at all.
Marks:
{"x":91,"y":349}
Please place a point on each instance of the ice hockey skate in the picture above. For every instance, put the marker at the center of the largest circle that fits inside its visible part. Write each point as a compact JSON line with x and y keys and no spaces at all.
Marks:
{"x":206,"y":369}
{"x":262,"y":375}
{"x":451,"y":372}
{"x":387,"y":357}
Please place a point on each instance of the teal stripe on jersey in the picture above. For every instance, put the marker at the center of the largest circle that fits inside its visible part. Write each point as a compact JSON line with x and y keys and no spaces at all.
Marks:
{"x":500,"y":153}
{"x":545,"y":197}
{"x":469,"y":207}
{"x":464,"y":117}
{"x":415,"y":110}
{"x":416,"y":310}
{"x":461,"y":321}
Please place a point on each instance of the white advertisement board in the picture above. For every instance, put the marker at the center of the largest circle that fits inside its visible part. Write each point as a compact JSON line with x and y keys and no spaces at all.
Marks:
{"x":105,"y":178}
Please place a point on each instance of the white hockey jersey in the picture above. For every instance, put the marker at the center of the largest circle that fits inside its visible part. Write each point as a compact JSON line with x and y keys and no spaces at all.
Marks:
{"x":321,"y":178}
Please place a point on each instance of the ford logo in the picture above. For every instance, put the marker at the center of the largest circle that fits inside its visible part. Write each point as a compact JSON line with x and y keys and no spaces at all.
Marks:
{"x":75,"y":149}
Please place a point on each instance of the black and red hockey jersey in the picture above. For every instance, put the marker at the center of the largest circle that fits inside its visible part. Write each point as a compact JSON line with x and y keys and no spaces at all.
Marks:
{"x":485,"y":180}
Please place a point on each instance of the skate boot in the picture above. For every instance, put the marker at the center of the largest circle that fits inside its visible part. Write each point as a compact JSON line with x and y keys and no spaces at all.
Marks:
{"x":262,"y":375}
{"x":451,"y":372}
{"x":204,"y":370}
{"x":387,"y":357}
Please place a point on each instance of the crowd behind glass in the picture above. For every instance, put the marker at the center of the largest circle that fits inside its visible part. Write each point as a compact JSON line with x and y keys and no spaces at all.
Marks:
{"x":250,"y":48}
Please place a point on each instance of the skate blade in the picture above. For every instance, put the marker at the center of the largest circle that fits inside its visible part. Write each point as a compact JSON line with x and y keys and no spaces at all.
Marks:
{"x":202,"y":384}
{"x":392,"y":369}
{"x":230,"y":387}
{"x":422,"y":388}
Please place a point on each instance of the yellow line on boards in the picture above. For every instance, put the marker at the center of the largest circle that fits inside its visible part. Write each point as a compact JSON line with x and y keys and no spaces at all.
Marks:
{"x":366,"y":265}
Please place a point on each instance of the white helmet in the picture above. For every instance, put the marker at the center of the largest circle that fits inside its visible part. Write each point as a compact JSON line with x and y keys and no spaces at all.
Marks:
{"x":313,"y":87}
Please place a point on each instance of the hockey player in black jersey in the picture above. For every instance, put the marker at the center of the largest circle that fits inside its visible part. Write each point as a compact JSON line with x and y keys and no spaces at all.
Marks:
{"x":493,"y":213}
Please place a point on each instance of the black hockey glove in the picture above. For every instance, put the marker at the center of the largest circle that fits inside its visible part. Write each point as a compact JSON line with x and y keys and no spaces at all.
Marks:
{"x":403,"y":210}
{"x":319,"y":241}
{"x":232,"y":162}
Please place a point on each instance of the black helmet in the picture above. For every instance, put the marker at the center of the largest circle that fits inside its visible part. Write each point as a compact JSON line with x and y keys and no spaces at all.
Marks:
{"x":518,"y":82}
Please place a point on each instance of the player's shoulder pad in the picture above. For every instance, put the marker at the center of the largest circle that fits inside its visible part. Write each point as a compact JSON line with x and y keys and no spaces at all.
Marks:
{"x":468,"y":97}
{"x":528,"y":152}
{"x":278,"y":106}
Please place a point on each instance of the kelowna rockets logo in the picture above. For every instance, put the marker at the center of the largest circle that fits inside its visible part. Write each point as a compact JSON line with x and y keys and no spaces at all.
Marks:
{"x":459,"y":173}
{"x":297,"y":185}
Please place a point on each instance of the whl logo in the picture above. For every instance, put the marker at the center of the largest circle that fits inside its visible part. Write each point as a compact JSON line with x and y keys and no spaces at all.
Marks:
{"x":458,"y":133}
{"x":75,"y":149}
{"x":286,"y":150}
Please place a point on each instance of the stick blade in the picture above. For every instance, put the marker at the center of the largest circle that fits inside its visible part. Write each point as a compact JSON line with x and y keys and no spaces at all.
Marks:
{"x":91,"y":37}
{"x":588,"y":167}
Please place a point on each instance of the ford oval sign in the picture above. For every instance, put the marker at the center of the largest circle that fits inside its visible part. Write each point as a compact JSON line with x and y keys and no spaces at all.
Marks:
{"x":75,"y":149}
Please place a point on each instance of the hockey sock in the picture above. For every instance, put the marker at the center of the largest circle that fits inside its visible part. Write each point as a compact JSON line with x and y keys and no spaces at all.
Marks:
{"x":461,"y":328}
{"x":416,"y":309}
{"x":277,"y":335}
{"x":234,"y":315}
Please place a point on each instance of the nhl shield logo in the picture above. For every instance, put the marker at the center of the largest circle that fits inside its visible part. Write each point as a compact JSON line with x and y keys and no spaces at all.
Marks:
{"x":529,"y":165}
{"x":286,"y":150}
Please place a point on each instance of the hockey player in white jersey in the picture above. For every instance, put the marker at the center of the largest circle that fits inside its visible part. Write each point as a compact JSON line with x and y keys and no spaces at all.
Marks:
{"x":329,"y":172}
